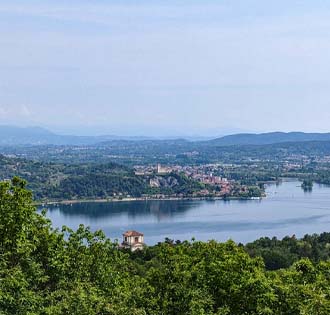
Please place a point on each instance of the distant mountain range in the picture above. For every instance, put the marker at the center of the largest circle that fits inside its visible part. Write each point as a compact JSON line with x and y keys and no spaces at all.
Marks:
{"x":268,"y":138}
{"x":10,"y":135}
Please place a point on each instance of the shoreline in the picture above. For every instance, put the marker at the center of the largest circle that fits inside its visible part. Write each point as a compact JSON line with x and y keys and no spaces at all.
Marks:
{"x":80,"y":201}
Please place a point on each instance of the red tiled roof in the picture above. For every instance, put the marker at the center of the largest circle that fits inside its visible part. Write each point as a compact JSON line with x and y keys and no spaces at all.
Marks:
{"x":132,"y":233}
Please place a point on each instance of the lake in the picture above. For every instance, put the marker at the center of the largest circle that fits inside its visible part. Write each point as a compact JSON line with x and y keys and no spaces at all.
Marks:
{"x":286,"y":210}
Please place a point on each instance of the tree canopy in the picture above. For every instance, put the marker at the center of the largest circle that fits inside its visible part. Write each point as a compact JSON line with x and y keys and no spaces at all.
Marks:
{"x":48,"y":271}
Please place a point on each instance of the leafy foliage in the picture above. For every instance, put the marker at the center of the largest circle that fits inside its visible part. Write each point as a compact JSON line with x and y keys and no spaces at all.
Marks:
{"x":47,"y":271}
{"x":283,"y":253}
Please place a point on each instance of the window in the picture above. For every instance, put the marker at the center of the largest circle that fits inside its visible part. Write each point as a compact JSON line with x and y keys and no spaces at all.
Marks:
{"x":136,"y":239}
{"x":125,"y":239}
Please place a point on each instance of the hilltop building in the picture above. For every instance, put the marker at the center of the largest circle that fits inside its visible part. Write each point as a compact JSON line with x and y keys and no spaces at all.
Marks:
{"x":133,"y":240}
{"x":162,"y":170}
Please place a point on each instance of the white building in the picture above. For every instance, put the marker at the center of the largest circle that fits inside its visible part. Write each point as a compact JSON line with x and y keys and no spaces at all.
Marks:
{"x":162,"y":170}
{"x":133,"y":240}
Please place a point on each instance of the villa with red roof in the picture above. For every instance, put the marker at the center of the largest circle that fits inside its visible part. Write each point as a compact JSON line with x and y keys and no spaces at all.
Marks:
{"x":133,"y":240}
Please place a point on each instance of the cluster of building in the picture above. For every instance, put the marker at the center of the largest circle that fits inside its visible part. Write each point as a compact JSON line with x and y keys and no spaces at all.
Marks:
{"x":209,"y":179}
{"x":201,"y":173}
{"x":154,"y":170}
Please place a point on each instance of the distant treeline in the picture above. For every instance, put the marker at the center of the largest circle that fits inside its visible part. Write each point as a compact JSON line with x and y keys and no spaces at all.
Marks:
{"x":283,"y":253}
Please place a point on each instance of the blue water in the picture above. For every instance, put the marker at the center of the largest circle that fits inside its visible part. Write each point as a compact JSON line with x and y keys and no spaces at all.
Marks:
{"x":287,"y":210}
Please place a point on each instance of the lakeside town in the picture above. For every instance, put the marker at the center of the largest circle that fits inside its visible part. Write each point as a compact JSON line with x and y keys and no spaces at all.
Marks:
{"x":212,"y":185}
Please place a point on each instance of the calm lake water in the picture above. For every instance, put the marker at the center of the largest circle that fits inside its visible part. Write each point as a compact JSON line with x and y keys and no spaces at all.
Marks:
{"x":287,"y":210}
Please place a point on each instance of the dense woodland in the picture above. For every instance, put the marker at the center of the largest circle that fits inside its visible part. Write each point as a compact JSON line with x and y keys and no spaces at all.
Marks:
{"x":47,"y":271}
{"x":283,"y":253}
{"x":59,"y":181}
{"x":69,"y":181}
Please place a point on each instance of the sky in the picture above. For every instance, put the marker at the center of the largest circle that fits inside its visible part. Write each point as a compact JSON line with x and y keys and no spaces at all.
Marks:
{"x":165,"y":67}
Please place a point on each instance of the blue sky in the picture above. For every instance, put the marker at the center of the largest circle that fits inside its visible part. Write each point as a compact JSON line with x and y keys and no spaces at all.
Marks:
{"x":165,"y":67}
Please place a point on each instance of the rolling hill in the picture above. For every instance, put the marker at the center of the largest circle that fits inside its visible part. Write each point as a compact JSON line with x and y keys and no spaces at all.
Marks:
{"x":12,"y":135}
{"x":268,"y":138}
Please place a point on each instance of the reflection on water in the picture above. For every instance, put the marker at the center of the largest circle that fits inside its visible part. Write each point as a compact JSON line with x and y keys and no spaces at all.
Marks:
{"x":287,"y":210}
{"x":159,"y":208}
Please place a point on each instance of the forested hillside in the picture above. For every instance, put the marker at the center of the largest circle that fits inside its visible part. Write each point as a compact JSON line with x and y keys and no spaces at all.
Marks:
{"x":46,"y":271}
{"x":269,"y":138}
{"x":60,"y":181}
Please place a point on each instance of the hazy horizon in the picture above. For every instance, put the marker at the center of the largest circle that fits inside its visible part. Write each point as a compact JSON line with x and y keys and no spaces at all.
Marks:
{"x":191,"y":136}
{"x":174,"y":68}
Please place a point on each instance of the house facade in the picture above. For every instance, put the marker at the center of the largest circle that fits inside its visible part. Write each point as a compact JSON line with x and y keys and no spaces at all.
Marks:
{"x":133,"y":240}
